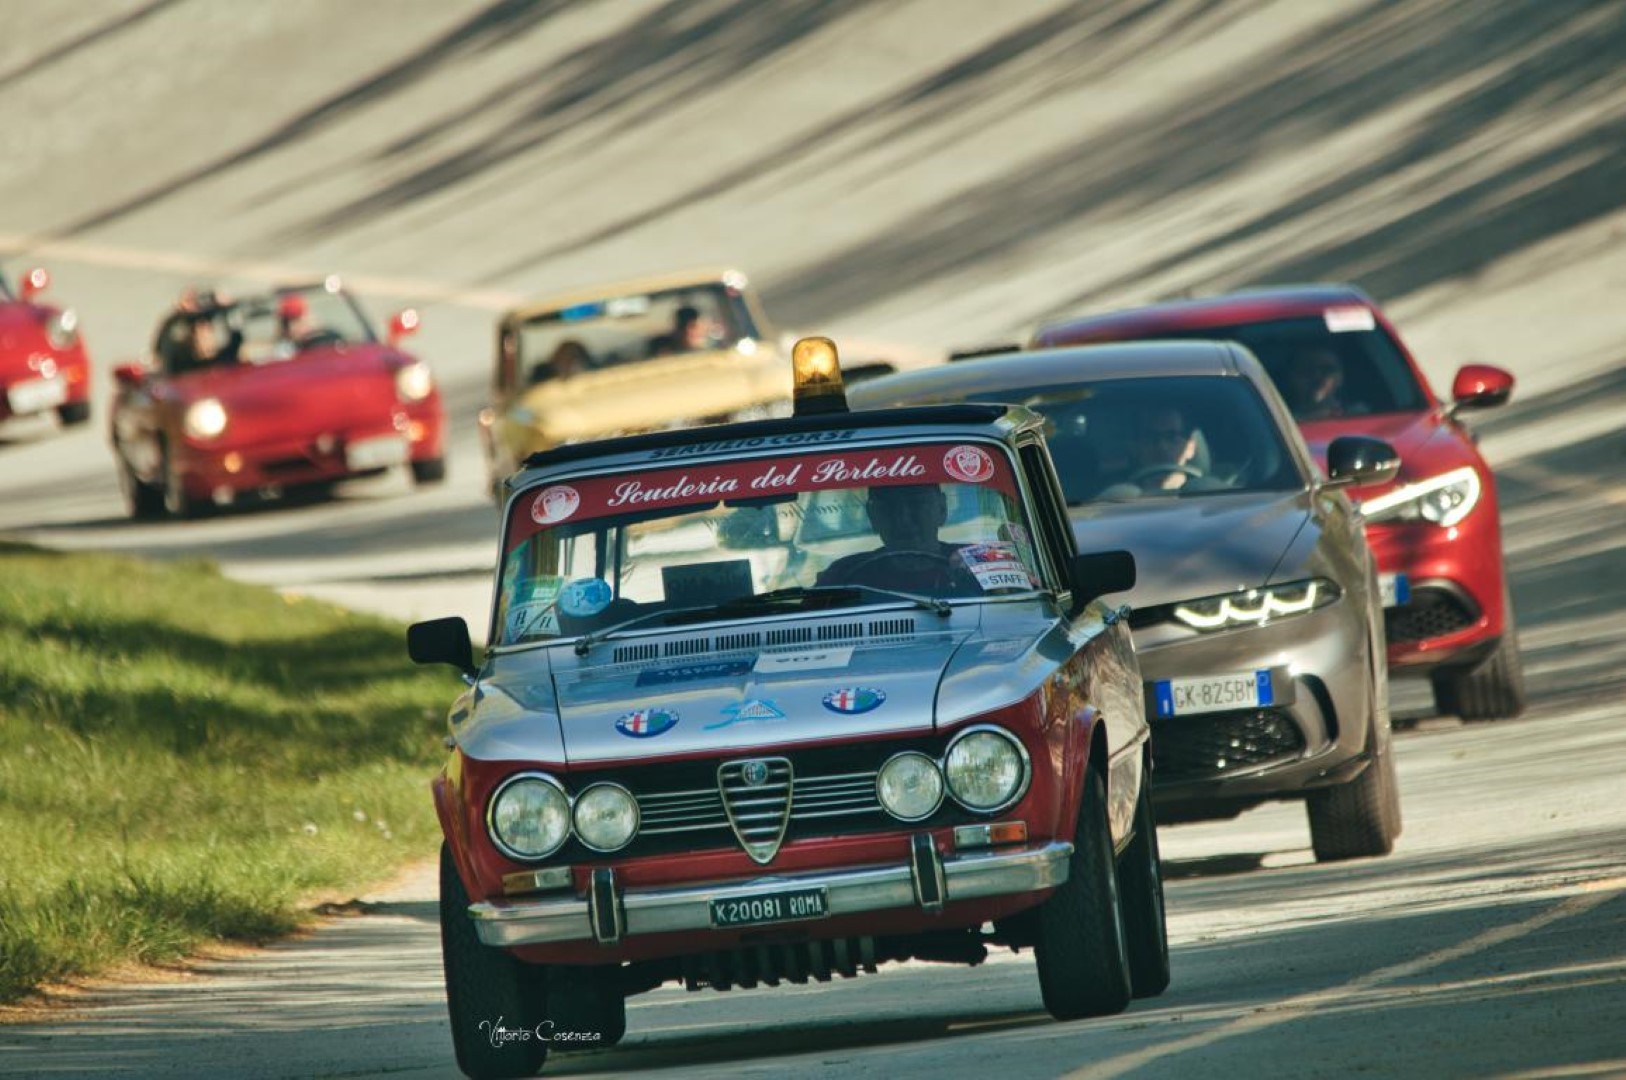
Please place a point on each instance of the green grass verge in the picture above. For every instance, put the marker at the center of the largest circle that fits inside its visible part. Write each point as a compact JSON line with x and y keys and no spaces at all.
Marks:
{"x":182,"y":757}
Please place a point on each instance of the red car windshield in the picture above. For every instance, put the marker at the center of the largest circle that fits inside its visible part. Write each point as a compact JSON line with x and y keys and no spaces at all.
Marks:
{"x":724,"y":538}
{"x":1338,"y":363}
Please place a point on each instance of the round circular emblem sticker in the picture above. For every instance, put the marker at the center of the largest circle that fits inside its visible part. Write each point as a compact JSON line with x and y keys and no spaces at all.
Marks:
{"x":585,"y":597}
{"x":555,"y":504}
{"x":647,"y":723}
{"x":972,"y":464}
{"x":853,"y":700}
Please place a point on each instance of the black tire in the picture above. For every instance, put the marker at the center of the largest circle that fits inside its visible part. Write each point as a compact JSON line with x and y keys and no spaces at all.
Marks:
{"x":1359,"y":818}
{"x":143,"y":501}
{"x":1492,"y":689}
{"x":484,"y":984}
{"x":429,"y":471}
{"x":1082,"y":951}
{"x":1140,"y":883}
{"x":586,"y":1002}
{"x":74,"y":412}
{"x":177,"y":503}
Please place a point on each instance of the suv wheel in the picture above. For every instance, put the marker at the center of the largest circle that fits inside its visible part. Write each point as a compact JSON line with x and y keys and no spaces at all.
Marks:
{"x":1492,"y":689}
{"x":484,"y":985}
{"x":1082,"y":950}
{"x":1140,"y":880}
{"x":1358,"y":818}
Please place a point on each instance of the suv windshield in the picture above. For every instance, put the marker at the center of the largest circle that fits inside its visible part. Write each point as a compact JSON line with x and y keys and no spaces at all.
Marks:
{"x":744,"y":538}
{"x":628,"y":329}
{"x":1338,"y":363}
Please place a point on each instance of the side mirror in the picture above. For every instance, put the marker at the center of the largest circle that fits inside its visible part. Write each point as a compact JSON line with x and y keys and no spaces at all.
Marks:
{"x":442,"y":641}
{"x":1480,"y":386}
{"x":403,"y":324}
{"x":1094,"y":576}
{"x":130,"y":376}
{"x":34,"y":282}
{"x":1357,"y":460}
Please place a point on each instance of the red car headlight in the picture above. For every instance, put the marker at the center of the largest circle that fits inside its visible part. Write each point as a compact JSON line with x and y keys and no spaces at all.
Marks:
{"x":1440,"y":500}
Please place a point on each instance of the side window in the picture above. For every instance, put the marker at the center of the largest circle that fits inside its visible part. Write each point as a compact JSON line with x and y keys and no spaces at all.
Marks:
{"x":1050,"y":513}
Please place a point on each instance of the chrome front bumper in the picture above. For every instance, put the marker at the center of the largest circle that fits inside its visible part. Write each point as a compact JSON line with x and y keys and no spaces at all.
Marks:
{"x":924,"y":883}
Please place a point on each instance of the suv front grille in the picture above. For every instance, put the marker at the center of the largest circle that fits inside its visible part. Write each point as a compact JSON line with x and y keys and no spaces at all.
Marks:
{"x":1216,"y":744}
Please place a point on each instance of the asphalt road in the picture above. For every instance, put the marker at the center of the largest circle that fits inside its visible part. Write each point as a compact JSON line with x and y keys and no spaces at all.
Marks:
{"x":930,"y":176}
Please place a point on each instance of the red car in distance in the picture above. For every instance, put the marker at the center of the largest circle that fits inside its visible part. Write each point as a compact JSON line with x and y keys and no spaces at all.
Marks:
{"x":43,"y":366}
{"x":267,"y":393}
{"x":1435,"y":528}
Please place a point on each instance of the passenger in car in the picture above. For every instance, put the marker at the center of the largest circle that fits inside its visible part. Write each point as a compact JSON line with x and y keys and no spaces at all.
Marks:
{"x":1314,"y":385}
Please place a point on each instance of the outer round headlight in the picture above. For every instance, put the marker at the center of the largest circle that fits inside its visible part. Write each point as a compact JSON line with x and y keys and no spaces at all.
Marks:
{"x":529,"y":817}
{"x":910,"y":786}
{"x":606,"y":817}
{"x":986,"y":768}
{"x":413,"y":382}
{"x":205,"y":419}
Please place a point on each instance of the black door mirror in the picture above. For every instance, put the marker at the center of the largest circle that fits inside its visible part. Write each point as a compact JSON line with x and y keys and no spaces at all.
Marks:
{"x":1094,"y":576}
{"x":442,"y":641}
{"x":1358,"y":460}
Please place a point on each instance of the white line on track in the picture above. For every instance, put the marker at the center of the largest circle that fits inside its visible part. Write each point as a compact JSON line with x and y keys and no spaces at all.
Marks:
{"x":1593,"y":894}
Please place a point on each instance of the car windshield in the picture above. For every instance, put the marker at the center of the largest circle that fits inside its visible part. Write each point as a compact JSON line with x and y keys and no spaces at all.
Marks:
{"x":5,"y":287}
{"x":632,"y":328}
{"x":263,"y":329}
{"x":781,"y":533}
{"x":1124,"y":439}
{"x":1338,"y":363}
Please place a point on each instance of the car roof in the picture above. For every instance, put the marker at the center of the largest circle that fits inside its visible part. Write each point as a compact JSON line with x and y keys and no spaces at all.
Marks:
{"x":631,"y":287}
{"x":1247,"y":305}
{"x":1123,"y":360}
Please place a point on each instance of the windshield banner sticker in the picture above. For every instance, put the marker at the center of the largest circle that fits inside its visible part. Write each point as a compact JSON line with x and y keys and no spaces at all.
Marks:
{"x":600,"y":496}
{"x":997,"y":566}
{"x":816,"y":660}
{"x":1344,"y":320}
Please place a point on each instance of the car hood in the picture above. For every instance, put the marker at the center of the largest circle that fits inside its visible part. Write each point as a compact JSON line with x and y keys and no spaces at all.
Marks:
{"x":1196,"y":546}
{"x":316,"y":389}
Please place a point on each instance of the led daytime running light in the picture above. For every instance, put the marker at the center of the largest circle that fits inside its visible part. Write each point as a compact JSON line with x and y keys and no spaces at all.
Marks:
{"x":1257,"y":606}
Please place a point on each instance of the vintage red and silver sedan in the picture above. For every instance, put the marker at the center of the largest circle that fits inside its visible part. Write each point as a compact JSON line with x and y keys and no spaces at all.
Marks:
{"x":1436,"y":530}
{"x":263,"y":394}
{"x":43,"y":365}
{"x":787,"y":699}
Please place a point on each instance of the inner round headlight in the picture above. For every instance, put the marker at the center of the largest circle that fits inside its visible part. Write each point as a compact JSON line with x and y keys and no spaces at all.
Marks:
{"x":62,"y":329}
{"x":606,"y":817}
{"x":530,"y":817}
{"x":413,"y":382}
{"x":986,"y":769}
{"x":205,"y":419}
{"x":910,"y":786}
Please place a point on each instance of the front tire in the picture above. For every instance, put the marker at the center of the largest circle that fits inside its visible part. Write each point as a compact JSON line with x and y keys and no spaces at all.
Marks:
{"x":1359,"y":818}
{"x":143,"y":501}
{"x":177,"y":503}
{"x":485,"y":986}
{"x":74,"y":412}
{"x":1492,"y":689}
{"x":1082,"y":950}
{"x":429,"y":471}
{"x":587,"y":1001}
{"x":1140,"y":882}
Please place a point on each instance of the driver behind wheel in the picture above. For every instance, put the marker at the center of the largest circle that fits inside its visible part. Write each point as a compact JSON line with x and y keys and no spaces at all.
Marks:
{"x":1165,"y":454}
{"x":906,"y":517}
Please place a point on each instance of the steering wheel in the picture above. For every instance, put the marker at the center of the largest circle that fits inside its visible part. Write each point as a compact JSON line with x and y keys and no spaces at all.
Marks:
{"x":1163,"y":470}
{"x":935,"y":564}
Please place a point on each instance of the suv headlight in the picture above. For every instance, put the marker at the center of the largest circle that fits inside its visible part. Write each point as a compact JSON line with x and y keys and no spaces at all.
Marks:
{"x":529,"y":817}
{"x":1255,"y":607}
{"x":1443,"y":500}
{"x":413,"y":382}
{"x":606,"y":817}
{"x":987,"y":769}
{"x":62,"y":329}
{"x":910,"y":786}
{"x":205,"y":419}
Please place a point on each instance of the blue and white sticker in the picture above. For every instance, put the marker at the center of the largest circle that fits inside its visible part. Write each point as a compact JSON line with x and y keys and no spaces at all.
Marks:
{"x":852,"y":700}
{"x":585,"y":597}
{"x":748,"y":710}
{"x":647,"y":723}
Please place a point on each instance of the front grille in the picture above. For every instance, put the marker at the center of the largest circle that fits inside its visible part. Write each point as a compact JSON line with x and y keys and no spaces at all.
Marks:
{"x":756,"y":796}
{"x":1207,"y":746}
{"x":1431,"y":612}
{"x":814,"y":800}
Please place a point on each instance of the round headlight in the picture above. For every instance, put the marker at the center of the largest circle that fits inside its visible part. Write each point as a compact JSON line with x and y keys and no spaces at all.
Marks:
{"x":530,"y":817}
{"x":413,"y":382}
{"x":910,"y":786}
{"x":62,"y":329}
{"x":986,"y":769}
{"x":205,"y":419}
{"x":606,"y":817}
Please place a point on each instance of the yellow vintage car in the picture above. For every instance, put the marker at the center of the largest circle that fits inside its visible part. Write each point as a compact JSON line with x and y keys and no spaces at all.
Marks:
{"x":643,"y":355}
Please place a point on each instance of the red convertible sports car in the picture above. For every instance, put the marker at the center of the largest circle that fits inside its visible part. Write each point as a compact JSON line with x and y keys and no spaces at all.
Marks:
{"x":43,"y":366}
{"x":1435,"y":528}
{"x":266,"y":393}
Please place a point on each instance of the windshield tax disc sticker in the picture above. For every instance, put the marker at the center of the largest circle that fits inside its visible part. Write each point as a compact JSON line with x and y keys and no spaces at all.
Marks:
{"x":585,"y":597}
{"x":1343,"y":320}
{"x":533,"y":617}
{"x":555,"y":504}
{"x":969,"y":463}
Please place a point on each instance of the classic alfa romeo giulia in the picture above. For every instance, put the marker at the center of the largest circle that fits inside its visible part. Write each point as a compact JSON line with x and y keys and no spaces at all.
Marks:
{"x":787,"y":699}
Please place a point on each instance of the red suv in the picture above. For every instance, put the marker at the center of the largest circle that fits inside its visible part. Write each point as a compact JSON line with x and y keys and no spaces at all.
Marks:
{"x":1435,"y":528}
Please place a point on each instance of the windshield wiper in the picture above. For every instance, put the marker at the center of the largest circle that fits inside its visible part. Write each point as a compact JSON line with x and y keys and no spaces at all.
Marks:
{"x":587,"y":641}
